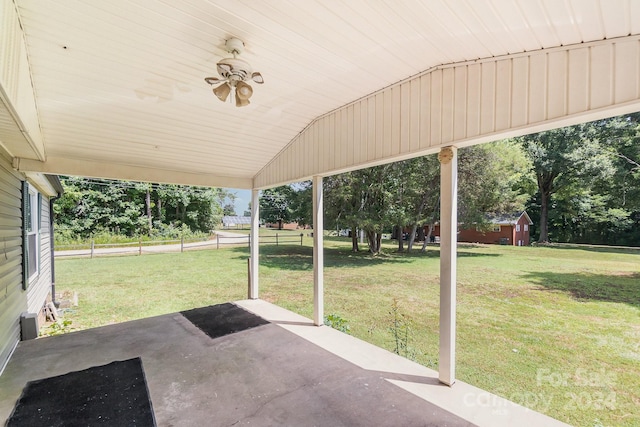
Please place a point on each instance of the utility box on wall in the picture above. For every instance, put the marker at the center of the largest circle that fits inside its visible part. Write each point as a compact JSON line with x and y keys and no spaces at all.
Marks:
{"x":29,"y":326}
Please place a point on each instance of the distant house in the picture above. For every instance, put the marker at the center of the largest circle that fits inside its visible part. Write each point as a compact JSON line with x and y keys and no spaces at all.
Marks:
{"x":283,"y":225}
{"x":504,"y":230}
{"x":26,"y":228}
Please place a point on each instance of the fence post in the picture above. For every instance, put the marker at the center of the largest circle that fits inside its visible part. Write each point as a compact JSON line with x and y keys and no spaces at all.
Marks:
{"x":92,"y":246}
{"x":301,"y":234}
{"x":217,"y":241}
{"x":140,"y":245}
{"x":182,"y":243}
{"x":249,"y":239}
{"x":276,"y":239}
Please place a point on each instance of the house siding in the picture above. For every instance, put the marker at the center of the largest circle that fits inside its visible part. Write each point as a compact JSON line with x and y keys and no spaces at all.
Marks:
{"x":508,"y":234}
{"x":14,"y":299}
{"x":12,"y":296}
{"x":40,"y":286}
{"x":462,"y":104}
{"x":471,"y":235}
{"x":522,"y":236}
{"x":504,"y":236}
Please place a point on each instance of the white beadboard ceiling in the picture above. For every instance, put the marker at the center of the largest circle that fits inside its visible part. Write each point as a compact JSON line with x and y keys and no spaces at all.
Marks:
{"x":120,"y":82}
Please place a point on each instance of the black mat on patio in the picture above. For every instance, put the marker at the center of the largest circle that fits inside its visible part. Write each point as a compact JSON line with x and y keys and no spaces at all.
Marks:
{"x":223,"y":319}
{"x":109,"y":395}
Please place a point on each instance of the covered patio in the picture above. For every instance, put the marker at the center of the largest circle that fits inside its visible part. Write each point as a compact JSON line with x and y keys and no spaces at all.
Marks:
{"x":285,"y":372}
{"x":117,"y":90}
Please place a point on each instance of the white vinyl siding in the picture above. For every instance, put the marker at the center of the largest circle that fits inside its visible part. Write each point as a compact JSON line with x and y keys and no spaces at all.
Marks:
{"x":40,"y":284}
{"x":463,"y":104}
{"x":12,"y":296}
{"x":14,"y":299}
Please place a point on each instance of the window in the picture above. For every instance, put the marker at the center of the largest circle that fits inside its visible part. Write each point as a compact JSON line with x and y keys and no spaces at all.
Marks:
{"x":32,"y":202}
{"x":517,"y":227}
{"x":526,"y":227}
{"x":496,"y":228}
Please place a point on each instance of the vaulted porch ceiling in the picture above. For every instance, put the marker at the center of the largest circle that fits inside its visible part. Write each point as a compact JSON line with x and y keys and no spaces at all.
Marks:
{"x":115,"y":89}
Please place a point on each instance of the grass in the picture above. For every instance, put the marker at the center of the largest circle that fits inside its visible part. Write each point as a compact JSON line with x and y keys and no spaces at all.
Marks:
{"x":555,"y":329}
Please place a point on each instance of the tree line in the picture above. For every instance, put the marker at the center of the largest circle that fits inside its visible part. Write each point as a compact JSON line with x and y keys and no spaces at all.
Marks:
{"x":578,"y":184}
{"x":89,"y":207}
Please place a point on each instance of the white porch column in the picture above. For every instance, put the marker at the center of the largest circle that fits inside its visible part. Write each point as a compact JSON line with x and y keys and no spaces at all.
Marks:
{"x":318,"y":252}
{"x":448,"y":157}
{"x":255,"y":244}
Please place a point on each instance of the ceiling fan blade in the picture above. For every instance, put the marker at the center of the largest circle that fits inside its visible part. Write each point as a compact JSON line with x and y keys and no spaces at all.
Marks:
{"x":213,"y":80}
{"x":223,"y":68}
{"x":257,"y":77}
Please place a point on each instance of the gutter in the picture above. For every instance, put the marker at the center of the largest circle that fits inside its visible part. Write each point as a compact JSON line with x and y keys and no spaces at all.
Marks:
{"x":51,"y":242}
{"x":56,"y":184}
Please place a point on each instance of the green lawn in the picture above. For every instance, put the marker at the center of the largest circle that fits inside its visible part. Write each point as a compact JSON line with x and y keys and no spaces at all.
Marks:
{"x":555,"y":329}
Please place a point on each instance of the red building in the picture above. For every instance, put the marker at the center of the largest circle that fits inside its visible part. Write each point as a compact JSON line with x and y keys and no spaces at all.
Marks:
{"x":285,"y":225}
{"x":504,"y":230}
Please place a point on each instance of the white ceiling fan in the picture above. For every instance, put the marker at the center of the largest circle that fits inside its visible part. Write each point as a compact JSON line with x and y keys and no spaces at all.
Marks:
{"x":234,"y":74}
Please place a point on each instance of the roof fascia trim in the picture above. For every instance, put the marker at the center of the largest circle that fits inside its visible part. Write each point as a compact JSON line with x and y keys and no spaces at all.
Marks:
{"x":109,"y":170}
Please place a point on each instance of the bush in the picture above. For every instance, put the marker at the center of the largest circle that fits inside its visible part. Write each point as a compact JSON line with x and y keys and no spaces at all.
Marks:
{"x":173,"y":231}
{"x":65,"y":237}
{"x":336,"y":322}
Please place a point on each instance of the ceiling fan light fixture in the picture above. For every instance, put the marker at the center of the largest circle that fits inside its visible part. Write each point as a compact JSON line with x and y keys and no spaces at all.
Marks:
{"x":234,"y":46}
{"x":234,"y":68}
{"x":243,"y":93}
{"x":234,"y":73}
{"x":240,"y":102}
{"x":222,"y":91}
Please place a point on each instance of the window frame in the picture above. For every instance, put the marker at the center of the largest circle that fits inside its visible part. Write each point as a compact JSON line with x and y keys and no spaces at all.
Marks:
{"x":32,"y":227}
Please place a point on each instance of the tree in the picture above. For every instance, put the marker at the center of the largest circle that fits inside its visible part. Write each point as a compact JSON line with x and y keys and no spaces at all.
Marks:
{"x":359,"y":200}
{"x":302,"y":203}
{"x":406,"y":194}
{"x":562,"y":157}
{"x":199,"y":208}
{"x":378,"y":186}
{"x":491,"y":178}
{"x":91,"y":206}
{"x":420,"y":196}
{"x":276,"y":205}
{"x":229,"y":210}
{"x":494,"y":179}
{"x":342,"y":200}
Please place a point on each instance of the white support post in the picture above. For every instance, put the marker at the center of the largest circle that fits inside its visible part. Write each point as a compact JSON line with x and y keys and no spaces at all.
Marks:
{"x":448,"y":157}
{"x":318,"y":254}
{"x":254,"y":243}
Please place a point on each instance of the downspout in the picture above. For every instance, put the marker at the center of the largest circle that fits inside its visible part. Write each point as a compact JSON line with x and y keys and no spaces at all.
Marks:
{"x":51,"y":242}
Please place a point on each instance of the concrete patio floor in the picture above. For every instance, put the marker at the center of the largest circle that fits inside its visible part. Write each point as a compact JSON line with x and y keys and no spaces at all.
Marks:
{"x":286,"y":373}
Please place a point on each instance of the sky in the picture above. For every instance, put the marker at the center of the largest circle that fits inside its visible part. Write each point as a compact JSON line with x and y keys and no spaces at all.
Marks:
{"x":243,"y":197}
